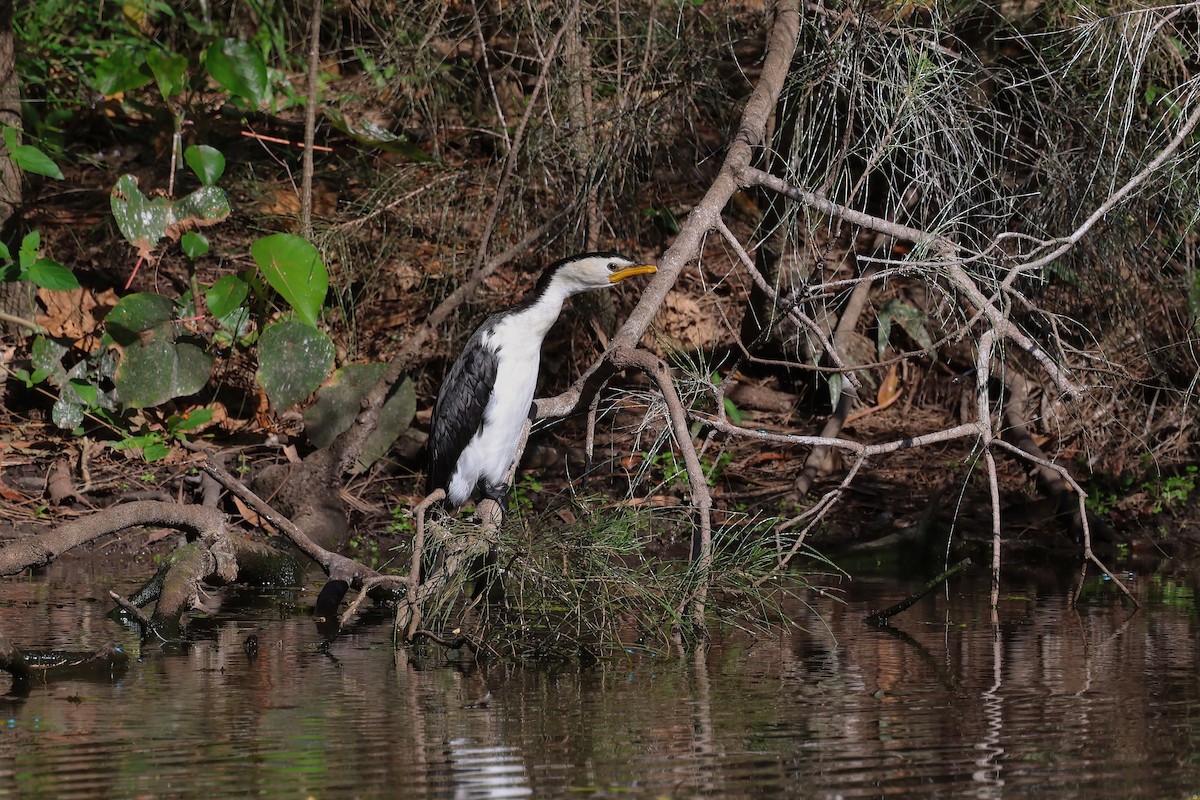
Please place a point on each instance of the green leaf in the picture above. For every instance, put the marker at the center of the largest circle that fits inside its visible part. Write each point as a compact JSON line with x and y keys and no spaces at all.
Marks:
{"x":66,"y":414}
{"x":338,"y":404}
{"x":370,"y":133}
{"x":226,"y":294}
{"x":30,"y":379}
{"x":293,"y":267}
{"x":86,"y":392}
{"x":207,"y":162}
{"x":45,"y":272}
{"x":732,"y":411}
{"x":160,"y":366}
{"x":155,"y":451}
{"x":142,"y":221}
{"x":135,"y":313}
{"x":27,"y":255}
{"x":46,"y":357}
{"x":178,"y":423}
{"x":239,"y":69}
{"x":49,"y":274}
{"x":194,"y":244}
{"x":168,"y":69}
{"x":31,"y":159}
{"x":206,"y":205}
{"x":293,"y":359}
{"x":123,"y":71}
{"x":235,"y":328}
{"x":139,"y":441}
{"x":910,"y":318}
{"x":835,"y":389}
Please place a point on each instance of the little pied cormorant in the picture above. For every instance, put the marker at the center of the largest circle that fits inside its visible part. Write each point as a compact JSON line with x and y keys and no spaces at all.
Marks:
{"x":487,"y":396}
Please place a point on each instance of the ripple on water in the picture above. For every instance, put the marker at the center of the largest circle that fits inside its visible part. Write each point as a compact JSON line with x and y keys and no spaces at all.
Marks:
{"x":1050,"y":703}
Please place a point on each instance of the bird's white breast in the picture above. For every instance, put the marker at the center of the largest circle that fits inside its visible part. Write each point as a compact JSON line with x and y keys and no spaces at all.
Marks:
{"x":490,"y":453}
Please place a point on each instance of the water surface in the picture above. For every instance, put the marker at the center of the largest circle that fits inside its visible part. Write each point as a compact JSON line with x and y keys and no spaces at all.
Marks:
{"x":1046,"y":702}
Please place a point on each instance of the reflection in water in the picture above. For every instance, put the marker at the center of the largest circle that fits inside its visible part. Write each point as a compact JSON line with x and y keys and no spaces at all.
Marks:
{"x":1039,"y":700}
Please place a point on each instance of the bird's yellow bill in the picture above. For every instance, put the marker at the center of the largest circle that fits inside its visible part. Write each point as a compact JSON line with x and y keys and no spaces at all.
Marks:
{"x":629,"y":272}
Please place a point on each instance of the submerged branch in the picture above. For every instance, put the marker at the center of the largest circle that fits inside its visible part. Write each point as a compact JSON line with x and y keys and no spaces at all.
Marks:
{"x":879,"y":618}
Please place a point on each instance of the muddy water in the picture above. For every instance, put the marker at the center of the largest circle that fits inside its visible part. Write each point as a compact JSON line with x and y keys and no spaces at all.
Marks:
{"x":1050,"y":702}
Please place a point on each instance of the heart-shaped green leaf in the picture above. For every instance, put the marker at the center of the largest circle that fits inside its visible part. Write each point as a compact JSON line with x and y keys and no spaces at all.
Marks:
{"x":239,"y":69}
{"x":226,"y":294}
{"x":338,"y":402}
{"x":66,"y":414}
{"x":207,"y":162}
{"x":142,"y":221}
{"x":205,"y":206}
{"x":135,"y":313}
{"x":293,"y":359}
{"x":160,"y":366}
{"x":293,"y":267}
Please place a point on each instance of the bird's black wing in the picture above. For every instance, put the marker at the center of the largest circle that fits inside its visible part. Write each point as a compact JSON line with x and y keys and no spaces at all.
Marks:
{"x":459,"y":410}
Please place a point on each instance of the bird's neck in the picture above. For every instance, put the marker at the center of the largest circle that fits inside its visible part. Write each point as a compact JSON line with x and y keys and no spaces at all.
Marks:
{"x":539,"y":313}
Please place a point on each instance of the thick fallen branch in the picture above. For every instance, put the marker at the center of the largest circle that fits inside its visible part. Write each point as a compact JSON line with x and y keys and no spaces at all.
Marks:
{"x":40,"y":550}
{"x":336,"y":566}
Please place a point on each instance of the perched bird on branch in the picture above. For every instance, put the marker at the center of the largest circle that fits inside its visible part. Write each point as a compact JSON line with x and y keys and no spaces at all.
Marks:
{"x":487,"y":396}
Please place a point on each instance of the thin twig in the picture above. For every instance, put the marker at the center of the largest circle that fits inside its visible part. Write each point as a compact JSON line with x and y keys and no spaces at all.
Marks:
{"x":13,"y":319}
{"x":395,"y":581}
{"x":310,"y":119}
{"x":132,"y":610}
{"x":878,"y":618}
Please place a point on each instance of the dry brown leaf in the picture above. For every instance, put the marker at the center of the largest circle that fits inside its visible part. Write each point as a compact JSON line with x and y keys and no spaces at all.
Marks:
{"x":74,"y":314}
{"x":10,"y":494}
{"x":683,"y":322}
{"x":889,"y":388}
{"x":251,"y":517}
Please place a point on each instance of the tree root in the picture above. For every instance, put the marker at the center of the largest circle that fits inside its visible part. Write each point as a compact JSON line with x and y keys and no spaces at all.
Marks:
{"x":37,"y":551}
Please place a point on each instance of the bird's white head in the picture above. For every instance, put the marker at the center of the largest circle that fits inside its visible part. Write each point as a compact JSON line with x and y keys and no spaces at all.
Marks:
{"x":596,"y":271}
